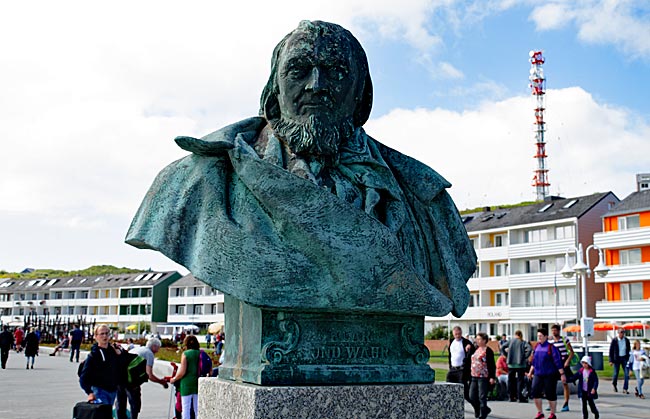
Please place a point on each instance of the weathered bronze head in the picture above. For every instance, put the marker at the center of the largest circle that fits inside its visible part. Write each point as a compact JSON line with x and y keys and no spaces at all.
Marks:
{"x":319,"y":86}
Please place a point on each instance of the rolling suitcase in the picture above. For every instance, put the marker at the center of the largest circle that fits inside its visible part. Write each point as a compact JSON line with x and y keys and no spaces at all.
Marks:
{"x":86,"y":410}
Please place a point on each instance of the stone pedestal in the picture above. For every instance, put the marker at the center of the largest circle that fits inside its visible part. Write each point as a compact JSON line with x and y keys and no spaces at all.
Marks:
{"x":274,"y":347}
{"x":225,"y":399}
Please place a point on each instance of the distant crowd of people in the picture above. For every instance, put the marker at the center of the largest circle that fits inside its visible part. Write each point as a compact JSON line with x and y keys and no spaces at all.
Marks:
{"x":524,"y":372}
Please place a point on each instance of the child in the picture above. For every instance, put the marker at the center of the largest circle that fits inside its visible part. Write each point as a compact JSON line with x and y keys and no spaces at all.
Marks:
{"x":587,"y":386}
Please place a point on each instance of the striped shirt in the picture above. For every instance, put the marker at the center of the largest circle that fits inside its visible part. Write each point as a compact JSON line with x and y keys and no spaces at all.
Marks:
{"x":562,"y":347}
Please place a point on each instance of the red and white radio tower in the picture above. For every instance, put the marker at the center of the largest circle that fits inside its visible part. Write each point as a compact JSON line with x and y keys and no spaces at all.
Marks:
{"x":538,"y":89}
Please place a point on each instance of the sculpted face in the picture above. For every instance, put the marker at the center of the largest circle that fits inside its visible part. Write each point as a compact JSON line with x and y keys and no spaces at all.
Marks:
{"x":316,"y":76}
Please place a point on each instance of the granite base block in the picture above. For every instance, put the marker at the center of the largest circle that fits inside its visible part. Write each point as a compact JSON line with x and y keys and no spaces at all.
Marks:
{"x":225,"y":399}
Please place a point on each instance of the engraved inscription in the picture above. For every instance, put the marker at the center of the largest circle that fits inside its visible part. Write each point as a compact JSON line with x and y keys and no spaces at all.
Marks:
{"x":347,"y":353}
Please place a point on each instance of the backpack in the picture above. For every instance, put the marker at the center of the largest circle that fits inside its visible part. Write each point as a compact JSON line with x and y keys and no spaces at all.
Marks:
{"x":205,"y":364}
{"x":136,"y":369}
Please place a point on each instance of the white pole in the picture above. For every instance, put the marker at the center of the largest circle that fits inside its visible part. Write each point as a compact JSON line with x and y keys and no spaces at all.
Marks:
{"x":583,"y":278}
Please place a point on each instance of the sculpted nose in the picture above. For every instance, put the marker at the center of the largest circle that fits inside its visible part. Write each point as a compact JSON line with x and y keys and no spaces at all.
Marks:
{"x":315,"y":81}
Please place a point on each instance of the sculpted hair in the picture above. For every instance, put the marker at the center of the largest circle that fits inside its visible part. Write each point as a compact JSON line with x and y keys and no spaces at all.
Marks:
{"x":269,"y":105}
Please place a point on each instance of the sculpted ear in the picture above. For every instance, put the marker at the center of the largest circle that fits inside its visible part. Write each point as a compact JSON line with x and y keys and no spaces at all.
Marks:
{"x":271,"y":107}
{"x":362,"y":112}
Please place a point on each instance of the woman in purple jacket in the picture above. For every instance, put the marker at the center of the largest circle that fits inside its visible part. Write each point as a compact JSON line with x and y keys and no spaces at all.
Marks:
{"x":547,"y":364}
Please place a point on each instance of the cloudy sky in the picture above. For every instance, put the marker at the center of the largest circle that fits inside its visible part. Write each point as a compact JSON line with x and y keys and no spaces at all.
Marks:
{"x":92,"y":95}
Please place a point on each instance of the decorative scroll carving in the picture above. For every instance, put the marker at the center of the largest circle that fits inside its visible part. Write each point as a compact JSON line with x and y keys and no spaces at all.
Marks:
{"x":274,"y":351}
{"x":420,"y":352}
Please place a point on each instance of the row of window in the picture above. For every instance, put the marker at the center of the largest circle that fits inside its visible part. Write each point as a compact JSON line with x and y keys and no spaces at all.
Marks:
{"x":192,"y":291}
{"x":529,"y":236}
{"x":195,"y":309}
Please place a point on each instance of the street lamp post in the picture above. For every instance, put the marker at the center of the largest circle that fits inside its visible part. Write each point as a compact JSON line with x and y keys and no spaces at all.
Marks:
{"x":582,"y":272}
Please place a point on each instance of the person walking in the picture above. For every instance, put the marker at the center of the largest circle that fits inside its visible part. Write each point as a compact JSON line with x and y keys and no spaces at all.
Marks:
{"x":502,"y":377}
{"x":587,"y":387}
{"x":566,"y":351}
{"x":482,"y":372}
{"x":459,"y":359}
{"x":6,"y":342}
{"x":133,"y":393}
{"x":31,"y":347}
{"x":547,"y":363}
{"x":638,"y":358}
{"x":19,"y":335}
{"x":208,"y":340}
{"x":76,"y":339}
{"x":518,"y":351}
{"x":99,"y":375}
{"x":188,"y":375}
{"x":619,"y":356}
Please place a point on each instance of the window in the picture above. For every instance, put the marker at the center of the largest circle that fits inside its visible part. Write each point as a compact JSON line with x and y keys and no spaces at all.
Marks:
{"x":474,"y":300}
{"x":34,"y":296}
{"x":84,"y":294}
{"x":71,"y":310}
{"x":500,"y":269}
{"x":566,"y":296}
{"x":219,"y":307}
{"x":198,"y":291}
{"x":198,"y":309}
{"x":46,"y":296}
{"x":534,"y":236}
{"x":499,"y":240}
{"x":501,"y":298}
{"x":179,"y":310}
{"x":71,"y":294}
{"x":628,"y":222}
{"x":84,"y":310}
{"x":149,"y":292}
{"x":564,"y":232}
{"x":632,"y":291}
{"x":630,"y":256}
{"x":538,"y":298}
{"x":180,"y":292}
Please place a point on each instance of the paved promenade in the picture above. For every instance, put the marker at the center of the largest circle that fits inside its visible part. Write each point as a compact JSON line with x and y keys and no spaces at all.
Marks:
{"x":51,"y":390}
{"x":611,"y":406}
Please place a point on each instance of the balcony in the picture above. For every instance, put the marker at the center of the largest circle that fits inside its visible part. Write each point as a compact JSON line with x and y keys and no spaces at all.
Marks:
{"x":488,"y":283}
{"x":542,"y":314}
{"x":623,"y":238}
{"x":626,"y":273}
{"x":540,"y":280}
{"x":492,"y":253}
{"x":537,"y":249}
{"x":623,"y":309}
{"x":487,"y":313}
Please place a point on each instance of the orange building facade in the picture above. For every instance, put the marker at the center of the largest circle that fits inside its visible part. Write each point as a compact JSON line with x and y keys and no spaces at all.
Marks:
{"x":626,"y":242}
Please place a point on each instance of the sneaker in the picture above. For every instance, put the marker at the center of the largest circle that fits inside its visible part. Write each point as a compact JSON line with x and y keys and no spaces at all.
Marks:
{"x":51,"y":354}
{"x":32,"y":367}
{"x":565,"y":408}
{"x":540,"y":415}
{"x":552,"y":416}
{"x":615,"y":388}
{"x":548,"y":409}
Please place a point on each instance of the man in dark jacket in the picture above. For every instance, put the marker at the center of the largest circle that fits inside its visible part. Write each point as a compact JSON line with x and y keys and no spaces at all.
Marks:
{"x":460,"y":359}
{"x":100,"y":373}
{"x":6,"y":342}
{"x":619,"y":355}
{"x":518,"y":351}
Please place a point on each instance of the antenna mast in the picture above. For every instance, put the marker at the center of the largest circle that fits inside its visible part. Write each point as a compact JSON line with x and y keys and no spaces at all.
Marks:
{"x":538,"y":89}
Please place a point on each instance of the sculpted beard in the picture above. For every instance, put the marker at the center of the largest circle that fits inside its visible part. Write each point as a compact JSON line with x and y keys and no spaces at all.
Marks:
{"x":316,"y":136}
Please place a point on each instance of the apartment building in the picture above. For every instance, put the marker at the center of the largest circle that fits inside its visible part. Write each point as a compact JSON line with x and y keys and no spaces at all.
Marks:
{"x":191,"y":303}
{"x":520,"y":252}
{"x":626,"y":240}
{"x":118,"y":300}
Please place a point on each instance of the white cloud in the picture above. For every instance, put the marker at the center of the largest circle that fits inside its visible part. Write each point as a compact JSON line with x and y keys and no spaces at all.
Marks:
{"x":623,"y":23}
{"x":487,"y":152}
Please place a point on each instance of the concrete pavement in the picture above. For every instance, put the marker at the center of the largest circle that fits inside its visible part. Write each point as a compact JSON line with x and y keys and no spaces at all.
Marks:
{"x":51,"y":389}
{"x":611,"y":405}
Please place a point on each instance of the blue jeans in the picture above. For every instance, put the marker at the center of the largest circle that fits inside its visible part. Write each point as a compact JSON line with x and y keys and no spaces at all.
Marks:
{"x":639,"y":381}
{"x":74,"y":349}
{"x":626,"y":374}
{"x":104,"y":397}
